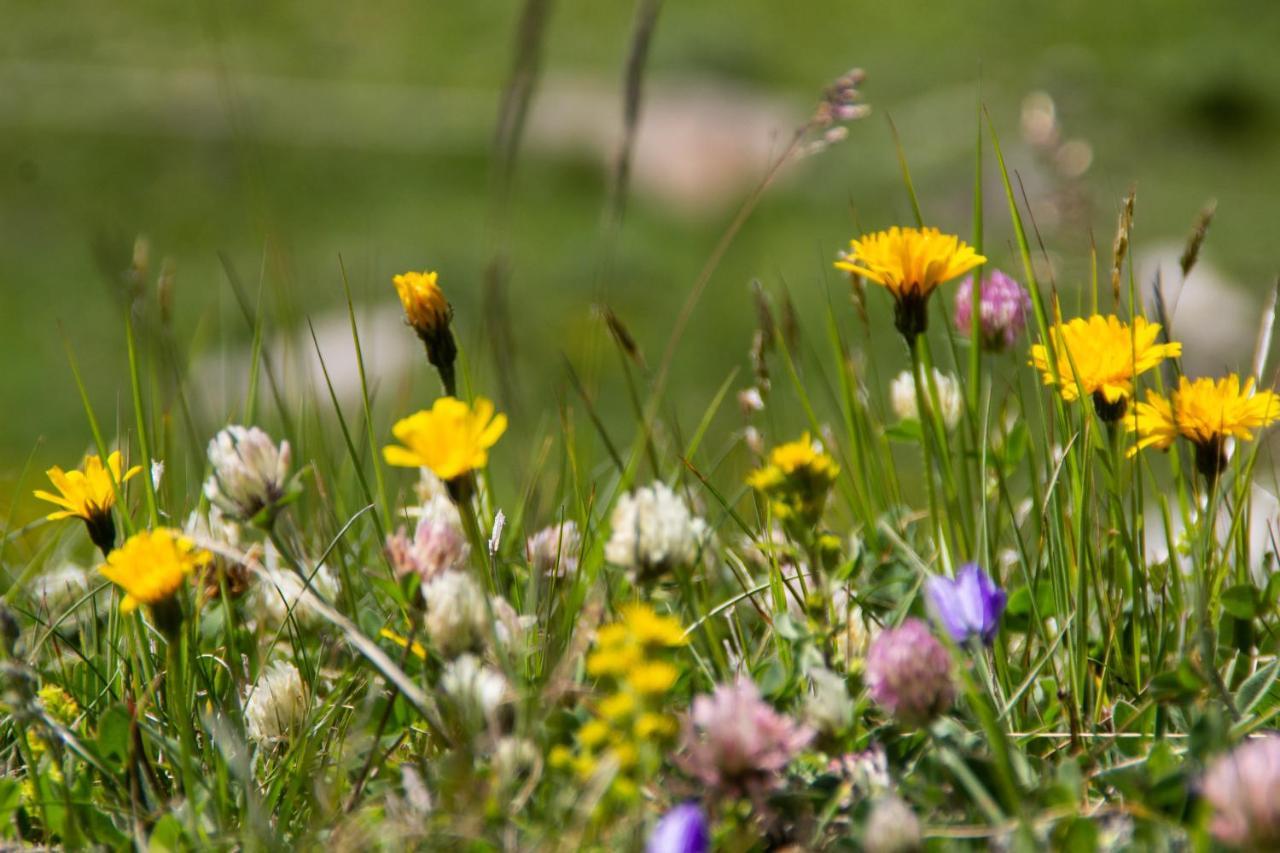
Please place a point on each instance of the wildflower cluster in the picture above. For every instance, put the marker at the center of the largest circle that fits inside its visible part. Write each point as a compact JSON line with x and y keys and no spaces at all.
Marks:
{"x":631,"y":726}
{"x":971,"y":626}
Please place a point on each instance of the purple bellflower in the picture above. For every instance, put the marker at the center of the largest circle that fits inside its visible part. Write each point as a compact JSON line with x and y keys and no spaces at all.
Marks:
{"x":967,"y":607}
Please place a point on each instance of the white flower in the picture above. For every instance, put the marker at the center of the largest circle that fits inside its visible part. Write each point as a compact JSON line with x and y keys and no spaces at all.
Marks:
{"x":892,"y":827}
{"x":652,"y":531}
{"x":250,"y":472}
{"x":213,"y":527}
{"x":902,"y":395}
{"x":828,"y":708}
{"x":750,"y":401}
{"x":60,"y":588}
{"x":513,"y":758}
{"x":477,"y":690}
{"x":157,"y":473}
{"x":429,"y":486}
{"x":456,"y":617}
{"x":277,"y":705}
{"x":438,"y":544}
{"x":279,"y":592}
{"x":553,"y":551}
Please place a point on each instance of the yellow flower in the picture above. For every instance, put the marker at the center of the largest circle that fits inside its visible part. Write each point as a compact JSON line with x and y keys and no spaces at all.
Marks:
{"x":626,"y":755}
{"x":1205,"y":412}
{"x":1107,"y":353}
{"x":417,"y":649}
{"x":618,"y":706}
{"x":653,"y":677}
{"x":152,"y":565}
{"x":425,"y":307}
{"x":451,"y":439}
{"x":651,"y":725}
{"x":613,"y":662}
{"x":796,"y":480}
{"x":910,"y":263}
{"x":648,"y":628}
{"x":593,"y":733}
{"x":560,"y":757}
{"x":89,"y":495}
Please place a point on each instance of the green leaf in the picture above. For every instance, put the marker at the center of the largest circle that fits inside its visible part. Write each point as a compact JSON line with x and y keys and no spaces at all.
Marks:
{"x":1181,"y":683}
{"x":1257,"y":687}
{"x":907,"y":431}
{"x":166,"y":836}
{"x":113,"y":734}
{"x":1241,"y":601}
{"x":10,"y":799}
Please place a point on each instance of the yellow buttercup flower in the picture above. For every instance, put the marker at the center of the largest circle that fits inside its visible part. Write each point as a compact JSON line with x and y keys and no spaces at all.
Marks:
{"x":89,"y":495}
{"x":1108,"y":355}
{"x":151,"y":566}
{"x":796,"y":480}
{"x":1206,"y":412}
{"x":910,"y":263}
{"x":451,"y":439}
{"x":429,"y":313}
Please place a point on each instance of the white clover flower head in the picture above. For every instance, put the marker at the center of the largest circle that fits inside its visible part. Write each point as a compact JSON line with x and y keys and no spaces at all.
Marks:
{"x":456,"y":617}
{"x":553,"y":551}
{"x":902,"y":397}
{"x":250,"y":472}
{"x":213,"y":527}
{"x":279,"y":591}
{"x":829,"y":707}
{"x":477,"y":690}
{"x":278,"y":704}
{"x":429,"y":487}
{"x":652,"y":531}
{"x":438,"y":544}
{"x":892,"y":827}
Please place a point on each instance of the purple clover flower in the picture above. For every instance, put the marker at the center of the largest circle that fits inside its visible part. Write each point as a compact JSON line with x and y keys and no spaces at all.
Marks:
{"x":967,"y":607}
{"x":909,"y":673}
{"x":682,"y":830}
{"x":1005,"y":308}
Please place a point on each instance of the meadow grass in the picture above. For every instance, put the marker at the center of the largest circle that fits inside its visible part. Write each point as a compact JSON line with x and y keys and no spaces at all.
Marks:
{"x":579,"y":632}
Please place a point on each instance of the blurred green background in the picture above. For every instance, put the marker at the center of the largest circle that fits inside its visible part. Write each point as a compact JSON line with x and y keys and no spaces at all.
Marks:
{"x":284,"y":135}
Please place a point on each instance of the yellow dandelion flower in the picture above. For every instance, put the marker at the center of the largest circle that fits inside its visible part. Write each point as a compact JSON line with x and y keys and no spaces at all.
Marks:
{"x":1206,"y":412}
{"x":89,"y":495}
{"x":650,"y":726}
{"x":451,"y":439}
{"x":910,"y":263}
{"x":653,"y":677}
{"x":1108,"y":355}
{"x":593,"y":733}
{"x":618,"y":706}
{"x":417,"y":649}
{"x":650,"y":629}
{"x":151,"y":566}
